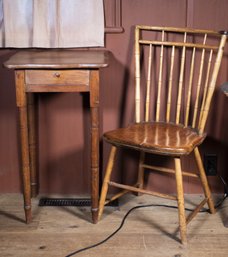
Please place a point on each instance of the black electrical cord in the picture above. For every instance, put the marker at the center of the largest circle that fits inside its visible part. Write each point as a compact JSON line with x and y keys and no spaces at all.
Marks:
{"x":225,"y":195}
{"x":217,"y":205}
{"x":121,"y":225}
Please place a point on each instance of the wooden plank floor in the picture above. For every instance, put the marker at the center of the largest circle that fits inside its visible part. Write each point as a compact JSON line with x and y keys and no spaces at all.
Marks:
{"x":148,"y":232}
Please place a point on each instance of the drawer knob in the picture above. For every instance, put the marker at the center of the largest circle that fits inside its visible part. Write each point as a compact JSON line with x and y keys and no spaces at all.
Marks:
{"x":57,"y":74}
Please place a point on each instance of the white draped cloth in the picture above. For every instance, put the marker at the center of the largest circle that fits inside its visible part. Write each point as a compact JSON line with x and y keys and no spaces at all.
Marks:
{"x":51,"y":23}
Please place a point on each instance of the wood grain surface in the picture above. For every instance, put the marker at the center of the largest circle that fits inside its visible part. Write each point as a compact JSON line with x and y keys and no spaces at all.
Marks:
{"x":58,"y":231}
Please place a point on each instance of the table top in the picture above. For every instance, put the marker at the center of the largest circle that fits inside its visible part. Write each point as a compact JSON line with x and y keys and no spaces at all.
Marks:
{"x":58,"y":59}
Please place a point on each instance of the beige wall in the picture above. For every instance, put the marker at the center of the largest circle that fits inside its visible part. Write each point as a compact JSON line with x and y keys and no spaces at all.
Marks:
{"x":64,"y":118}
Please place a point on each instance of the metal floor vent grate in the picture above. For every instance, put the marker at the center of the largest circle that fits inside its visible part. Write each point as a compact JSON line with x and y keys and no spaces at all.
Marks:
{"x":70,"y":202}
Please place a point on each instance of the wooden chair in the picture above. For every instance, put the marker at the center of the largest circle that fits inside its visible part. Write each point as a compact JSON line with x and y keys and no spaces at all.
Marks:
{"x":175,"y":76}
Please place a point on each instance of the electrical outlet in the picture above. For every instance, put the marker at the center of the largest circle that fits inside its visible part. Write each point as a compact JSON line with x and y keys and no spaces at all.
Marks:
{"x":210,"y":164}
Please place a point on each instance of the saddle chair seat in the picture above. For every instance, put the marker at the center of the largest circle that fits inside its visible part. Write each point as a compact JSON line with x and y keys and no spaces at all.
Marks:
{"x":156,"y":137}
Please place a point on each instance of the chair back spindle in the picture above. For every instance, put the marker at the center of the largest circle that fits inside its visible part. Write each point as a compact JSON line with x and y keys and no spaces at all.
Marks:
{"x":199,"y":84}
{"x":170,"y":85}
{"x":181,"y":80}
{"x":148,"y":85}
{"x":158,"y":106}
{"x":190,"y":87}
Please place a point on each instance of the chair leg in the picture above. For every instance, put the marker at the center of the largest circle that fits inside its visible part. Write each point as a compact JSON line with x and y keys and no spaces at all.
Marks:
{"x":107,"y":176}
{"x":141,"y":171}
{"x":180,"y":200}
{"x":204,"y":182}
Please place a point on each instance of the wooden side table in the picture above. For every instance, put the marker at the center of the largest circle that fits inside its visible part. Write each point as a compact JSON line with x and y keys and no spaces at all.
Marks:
{"x":55,"y":71}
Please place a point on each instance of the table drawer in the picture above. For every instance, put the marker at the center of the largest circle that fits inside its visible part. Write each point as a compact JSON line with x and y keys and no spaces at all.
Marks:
{"x":57,"y":77}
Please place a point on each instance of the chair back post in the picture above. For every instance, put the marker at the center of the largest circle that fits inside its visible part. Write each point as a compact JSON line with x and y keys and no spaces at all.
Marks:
{"x":211,"y":87}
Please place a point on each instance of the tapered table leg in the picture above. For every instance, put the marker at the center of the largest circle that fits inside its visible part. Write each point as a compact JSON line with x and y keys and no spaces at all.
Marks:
{"x":32,"y":143}
{"x":23,"y":122}
{"x":94,"y":107}
{"x":25,"y":163}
